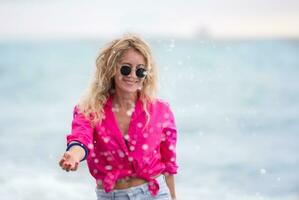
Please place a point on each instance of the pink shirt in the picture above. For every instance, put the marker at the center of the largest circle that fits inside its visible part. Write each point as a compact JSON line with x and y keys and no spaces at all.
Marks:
{"x":150,"y":150}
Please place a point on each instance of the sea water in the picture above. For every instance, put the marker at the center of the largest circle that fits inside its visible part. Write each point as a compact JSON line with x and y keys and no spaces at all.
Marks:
{"x":236,"y":104}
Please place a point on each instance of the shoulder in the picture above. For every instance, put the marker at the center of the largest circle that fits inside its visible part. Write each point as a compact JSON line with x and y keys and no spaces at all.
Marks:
{"x":79,"y":112}
{"x":160,"y":104}
{"x":163,"y":109}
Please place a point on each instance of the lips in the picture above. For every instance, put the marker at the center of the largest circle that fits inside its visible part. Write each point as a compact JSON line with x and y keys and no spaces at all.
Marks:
{"x":130,"y":82}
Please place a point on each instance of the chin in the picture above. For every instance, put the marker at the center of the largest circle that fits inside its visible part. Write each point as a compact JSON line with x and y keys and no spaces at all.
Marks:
{"x":129,"y":89}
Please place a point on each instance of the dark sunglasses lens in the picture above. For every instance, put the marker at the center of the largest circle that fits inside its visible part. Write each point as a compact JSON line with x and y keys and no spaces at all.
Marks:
{"x":140,"y":73}
{"x":125,"y":70}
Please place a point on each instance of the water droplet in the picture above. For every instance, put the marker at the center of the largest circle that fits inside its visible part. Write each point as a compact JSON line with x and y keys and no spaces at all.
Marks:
{"x":129,"y":112}
{"x":108,"y":167}
{"x":140,"y":87}
{"x":96,"y":160}
{"x":168,"y":133}
{"x":90,"y":146}
{"x":134,"y":142}
{"x":121,"y":153}
{"x":106,"y":139}
{"x":132,"y":148}
{"x":263,"y":171}
{"x":126,"y":137}
{"x":130,"y":159}
{"x":145,"y":135}
{"x":111,"y":176}
{"x":95,"y":171}
{"x":171,"y":46}
{"x":93,"y":155}
{"x":144,"y":147}
{"x":172,"y":159}
{"x":171,"y":147}
{"x":139,"y":125}
{"x":115,"y":109}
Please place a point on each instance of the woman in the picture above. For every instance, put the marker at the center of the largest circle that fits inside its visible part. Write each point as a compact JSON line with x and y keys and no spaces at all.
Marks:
{"x":125,"y":133}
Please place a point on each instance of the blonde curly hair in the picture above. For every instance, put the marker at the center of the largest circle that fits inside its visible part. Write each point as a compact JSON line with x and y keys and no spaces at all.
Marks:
{"x":102,"y":85}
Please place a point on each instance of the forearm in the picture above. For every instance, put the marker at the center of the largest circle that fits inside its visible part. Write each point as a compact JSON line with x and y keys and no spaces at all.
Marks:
{"x":171,"y":185}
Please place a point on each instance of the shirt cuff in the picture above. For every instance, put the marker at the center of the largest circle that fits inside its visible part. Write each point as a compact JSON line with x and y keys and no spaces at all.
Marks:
{"x":170,"y":168}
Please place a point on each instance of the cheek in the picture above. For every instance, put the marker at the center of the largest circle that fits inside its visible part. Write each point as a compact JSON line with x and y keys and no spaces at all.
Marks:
{"x":117,"y":79}
{"x":140,"y":84}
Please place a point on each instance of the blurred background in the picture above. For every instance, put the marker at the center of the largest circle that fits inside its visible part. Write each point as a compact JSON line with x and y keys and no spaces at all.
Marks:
{"x":228,"y":68}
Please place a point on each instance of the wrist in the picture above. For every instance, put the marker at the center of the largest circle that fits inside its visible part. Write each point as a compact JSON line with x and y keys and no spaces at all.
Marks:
{"x":74,"y":154}
{"x":77,"y":151}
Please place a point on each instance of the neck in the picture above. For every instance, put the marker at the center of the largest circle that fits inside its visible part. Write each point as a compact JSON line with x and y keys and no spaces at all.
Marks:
{"x":124,"y":100}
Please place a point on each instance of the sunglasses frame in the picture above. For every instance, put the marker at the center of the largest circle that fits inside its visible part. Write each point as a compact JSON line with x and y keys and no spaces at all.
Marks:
{"x":126,"y":70}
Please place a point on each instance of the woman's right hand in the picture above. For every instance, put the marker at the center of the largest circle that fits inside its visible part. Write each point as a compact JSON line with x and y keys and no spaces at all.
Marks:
{"x":69,"y":162}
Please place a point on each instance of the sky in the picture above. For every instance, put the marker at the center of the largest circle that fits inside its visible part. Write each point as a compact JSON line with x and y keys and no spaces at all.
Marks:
{"x":21,"y":19}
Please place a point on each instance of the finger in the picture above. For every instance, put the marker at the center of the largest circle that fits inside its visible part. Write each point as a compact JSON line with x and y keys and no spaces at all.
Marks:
{"x":68,"y":168}
{"x":65,"y":166}
{"x":61,"y":161}
{"x":75,"y":167}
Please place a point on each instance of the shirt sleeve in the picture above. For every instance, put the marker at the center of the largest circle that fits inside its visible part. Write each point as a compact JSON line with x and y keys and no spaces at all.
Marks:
{"x":81,"y":131}
{"x":168,"y":143}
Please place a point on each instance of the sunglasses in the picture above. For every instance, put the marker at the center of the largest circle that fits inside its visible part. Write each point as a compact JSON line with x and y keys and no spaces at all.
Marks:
{"x":125,"y":70}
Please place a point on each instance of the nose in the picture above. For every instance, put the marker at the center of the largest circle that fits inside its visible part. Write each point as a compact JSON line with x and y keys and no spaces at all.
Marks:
{"x":133,"y":73}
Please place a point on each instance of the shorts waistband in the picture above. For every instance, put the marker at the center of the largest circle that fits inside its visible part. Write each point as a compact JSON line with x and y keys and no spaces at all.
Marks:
{"x":132,"y":190}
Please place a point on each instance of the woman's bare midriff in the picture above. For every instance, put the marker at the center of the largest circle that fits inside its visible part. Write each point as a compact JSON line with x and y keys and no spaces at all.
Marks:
{"x":128,"y":183}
